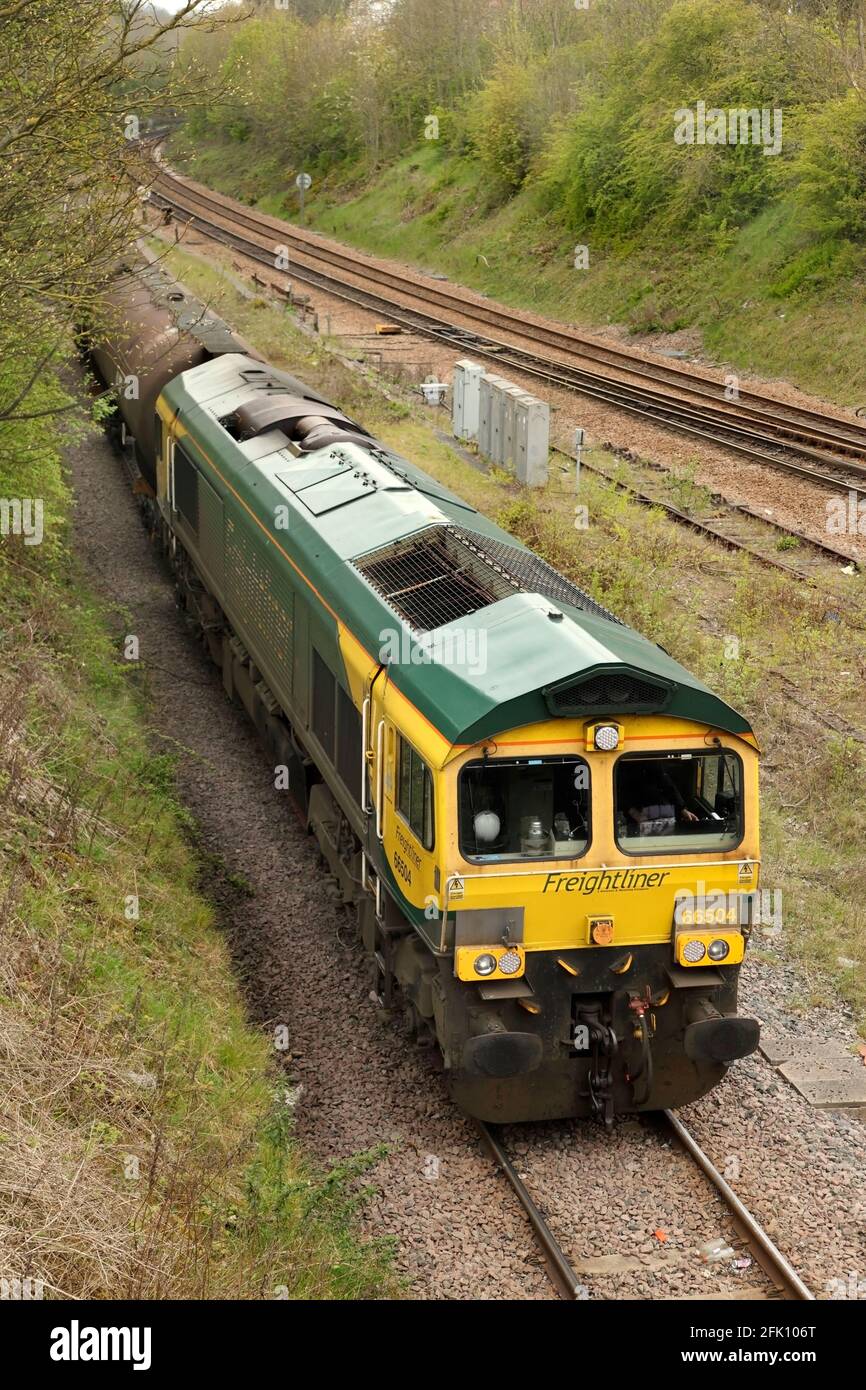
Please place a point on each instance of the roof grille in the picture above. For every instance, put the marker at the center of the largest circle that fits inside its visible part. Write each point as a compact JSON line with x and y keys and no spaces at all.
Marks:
{"x":609,"y":692}
{"x":532,"y":574}
{"x":434,"y":578}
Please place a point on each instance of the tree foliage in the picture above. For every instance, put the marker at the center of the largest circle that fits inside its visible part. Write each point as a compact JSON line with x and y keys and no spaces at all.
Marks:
{"x":579,"y":102}
{"x":80,"y":80}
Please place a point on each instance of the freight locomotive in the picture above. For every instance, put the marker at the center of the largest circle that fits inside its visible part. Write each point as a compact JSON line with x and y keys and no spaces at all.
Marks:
{"x":548,"y":827}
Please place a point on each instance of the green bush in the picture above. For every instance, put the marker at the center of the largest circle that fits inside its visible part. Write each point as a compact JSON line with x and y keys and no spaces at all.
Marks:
{"x":500,"y":125}
{"x":827,"y":177}
{"x":615,"y":167}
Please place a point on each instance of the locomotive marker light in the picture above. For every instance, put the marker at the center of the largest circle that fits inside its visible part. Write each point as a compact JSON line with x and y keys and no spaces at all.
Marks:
{"x":606,"y":737}
{"x":709,"y":947}
{"x":510,"y":963}
{"x":722,"y":916}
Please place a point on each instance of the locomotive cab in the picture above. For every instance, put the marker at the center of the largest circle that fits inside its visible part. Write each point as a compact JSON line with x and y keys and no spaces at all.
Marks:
{"x":586,"y":888}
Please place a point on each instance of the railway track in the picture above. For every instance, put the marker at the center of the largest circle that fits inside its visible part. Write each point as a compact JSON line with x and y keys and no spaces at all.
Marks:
{"x":790,"y":438}
{"x":734,"y":526}
{"x":778,"y":1269}
{"x":725,"y":529}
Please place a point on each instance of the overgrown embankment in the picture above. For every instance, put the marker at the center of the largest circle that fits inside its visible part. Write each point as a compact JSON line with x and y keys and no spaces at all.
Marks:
{"x":739,"y":302}
{"x":541,"y":153}
{"x":146,"y":1145}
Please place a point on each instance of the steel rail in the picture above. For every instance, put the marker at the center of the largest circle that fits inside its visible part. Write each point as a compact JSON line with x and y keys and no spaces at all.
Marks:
{"x":775,"y":1265}
{"x":579,"y":378}
{"x":706,"y":528}
{"x":847,"y":436}
{"x":561,"y":1272}
{"x":444,"y":333}
{"x":408,"y":320}
{"x":668,"y":414}
{"x":769,"y":1256}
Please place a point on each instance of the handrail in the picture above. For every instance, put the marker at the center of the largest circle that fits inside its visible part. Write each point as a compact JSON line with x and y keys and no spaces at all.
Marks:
{"x":366,"y":754}
{"x":380,"y":780}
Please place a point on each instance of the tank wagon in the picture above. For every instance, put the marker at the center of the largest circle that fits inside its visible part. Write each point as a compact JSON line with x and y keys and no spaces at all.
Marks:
{"x":548,"y":827}
{"x":151,"y":330}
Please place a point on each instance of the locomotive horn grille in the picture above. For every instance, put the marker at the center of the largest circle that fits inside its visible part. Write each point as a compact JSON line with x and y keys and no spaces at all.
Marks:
{"x":609,"y":692}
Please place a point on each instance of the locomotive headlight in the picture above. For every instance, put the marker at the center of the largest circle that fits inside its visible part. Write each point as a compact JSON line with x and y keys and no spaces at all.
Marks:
{"x":708,"y":947}
{"x":606,"y":738}
{"x":489,"y":962}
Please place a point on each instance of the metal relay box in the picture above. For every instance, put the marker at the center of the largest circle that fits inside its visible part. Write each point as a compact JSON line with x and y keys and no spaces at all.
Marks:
{"x":532,"y":441}
{"x":466,"y":398}
{"x":489,"y":424}
{"x":512,"y":428}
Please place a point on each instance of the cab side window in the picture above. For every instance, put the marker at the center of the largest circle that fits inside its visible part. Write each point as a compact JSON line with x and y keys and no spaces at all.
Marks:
{"x":415,"y":793}
{"x":185,"y":487}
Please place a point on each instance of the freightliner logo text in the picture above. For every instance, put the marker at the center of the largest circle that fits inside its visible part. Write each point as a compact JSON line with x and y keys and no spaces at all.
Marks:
{"x":608,"y":881}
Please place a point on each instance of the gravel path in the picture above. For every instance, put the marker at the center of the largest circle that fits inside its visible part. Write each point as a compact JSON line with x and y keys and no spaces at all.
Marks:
{"x":459,"y":1231}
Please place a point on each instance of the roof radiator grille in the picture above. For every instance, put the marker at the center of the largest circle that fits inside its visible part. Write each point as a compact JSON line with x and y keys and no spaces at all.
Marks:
{"x":434,"y":578}
{"x":531,"y":574}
